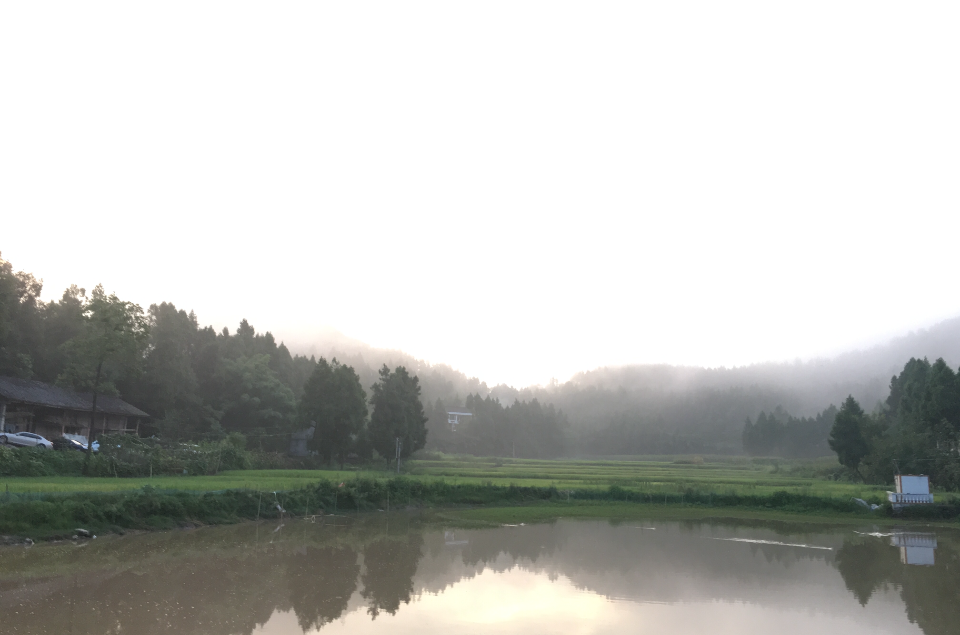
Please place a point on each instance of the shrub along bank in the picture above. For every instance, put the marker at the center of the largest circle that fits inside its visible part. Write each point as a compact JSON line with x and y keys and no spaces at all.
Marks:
{"x":131,"y":456}
{"x":57,"y":515}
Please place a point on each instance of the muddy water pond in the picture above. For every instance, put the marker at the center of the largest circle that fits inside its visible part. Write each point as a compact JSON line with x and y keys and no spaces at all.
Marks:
{"x":399,"y":574}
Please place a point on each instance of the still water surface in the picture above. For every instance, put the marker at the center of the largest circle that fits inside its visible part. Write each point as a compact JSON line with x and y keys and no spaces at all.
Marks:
{"x":398,"y":574}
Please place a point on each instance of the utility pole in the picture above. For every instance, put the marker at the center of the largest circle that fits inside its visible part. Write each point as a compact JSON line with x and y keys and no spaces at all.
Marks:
{"x":399,"y":447}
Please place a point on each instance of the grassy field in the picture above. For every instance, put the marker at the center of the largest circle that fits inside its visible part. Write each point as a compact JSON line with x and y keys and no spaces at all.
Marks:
{"x":469,"y":489}
{"x":256,"y":480}
{"x":651,"y":477}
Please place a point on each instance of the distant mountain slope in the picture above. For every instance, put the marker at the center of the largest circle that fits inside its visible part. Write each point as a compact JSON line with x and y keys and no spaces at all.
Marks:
{"x":811,"y":385}
{"x":670,"y":409}
{"x":437,"y":381}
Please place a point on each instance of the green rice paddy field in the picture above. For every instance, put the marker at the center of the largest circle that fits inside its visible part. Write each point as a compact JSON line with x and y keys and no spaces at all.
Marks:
{"x":649,"y":476}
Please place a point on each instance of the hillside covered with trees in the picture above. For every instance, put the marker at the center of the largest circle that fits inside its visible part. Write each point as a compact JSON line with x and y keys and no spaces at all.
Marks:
{"x":916,"y":431}
{"x":200,"y":383}
{"x":196,"y":383}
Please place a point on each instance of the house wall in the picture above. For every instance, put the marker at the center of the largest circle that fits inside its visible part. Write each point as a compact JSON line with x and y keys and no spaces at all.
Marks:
{"x":17,"y":419}
{"x":53,"y":423}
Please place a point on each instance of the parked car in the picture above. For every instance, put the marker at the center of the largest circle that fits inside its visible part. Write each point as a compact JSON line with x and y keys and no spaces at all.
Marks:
{"x":64,"y":443}
{"x":25,"y":440}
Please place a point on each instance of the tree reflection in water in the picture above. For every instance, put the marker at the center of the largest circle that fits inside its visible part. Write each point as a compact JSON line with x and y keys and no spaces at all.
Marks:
{"x":389,"y":567}
{"x":931,"y":594}
{"x":320,"y":583}
{"x":229,"y":580}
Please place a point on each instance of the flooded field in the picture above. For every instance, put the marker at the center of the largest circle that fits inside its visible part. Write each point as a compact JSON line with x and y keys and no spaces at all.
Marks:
{"x":398,"y":574}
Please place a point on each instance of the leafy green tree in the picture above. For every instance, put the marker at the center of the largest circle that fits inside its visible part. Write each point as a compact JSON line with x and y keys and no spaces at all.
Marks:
{"x":109,"y":347}
{"x":20,"y":324}
{"x":848,"y":437}
{"x":168,"y":388}
{"x":335,"y":402}
{"x":61,"y":322}
{"x":940,"y":405}
{"x":923,"y":418}
{"x":906,"y":390}
{"x":397,"y":413}
{"x":255,"y":402}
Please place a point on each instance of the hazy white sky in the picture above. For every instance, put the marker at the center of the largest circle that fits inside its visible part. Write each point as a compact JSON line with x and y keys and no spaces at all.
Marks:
{"x":519,"y":189}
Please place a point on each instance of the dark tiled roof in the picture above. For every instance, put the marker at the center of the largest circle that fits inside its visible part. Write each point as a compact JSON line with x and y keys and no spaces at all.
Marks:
{"x":37,"y":393}
{"x":113,"y":405}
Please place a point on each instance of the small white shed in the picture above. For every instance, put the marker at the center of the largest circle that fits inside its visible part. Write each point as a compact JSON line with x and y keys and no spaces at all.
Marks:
{"x":912,"y":489}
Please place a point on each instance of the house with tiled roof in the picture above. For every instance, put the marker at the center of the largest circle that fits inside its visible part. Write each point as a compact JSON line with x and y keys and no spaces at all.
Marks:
{"x":27,"y":405}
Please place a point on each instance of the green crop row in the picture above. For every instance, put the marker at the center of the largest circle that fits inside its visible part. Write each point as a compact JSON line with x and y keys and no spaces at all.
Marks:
{"x":58,"y":515}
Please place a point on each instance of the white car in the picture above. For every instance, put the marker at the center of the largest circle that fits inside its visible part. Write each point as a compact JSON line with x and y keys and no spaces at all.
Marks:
{"x":25,"y":440}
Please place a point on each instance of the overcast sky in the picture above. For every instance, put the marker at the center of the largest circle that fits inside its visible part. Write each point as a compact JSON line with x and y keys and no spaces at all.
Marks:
{"x":520,"y":189}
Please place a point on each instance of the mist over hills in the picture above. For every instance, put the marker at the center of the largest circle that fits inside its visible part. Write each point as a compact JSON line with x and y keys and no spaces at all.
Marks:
{"x":662,"y":408}
{"x":808,"y":386}
{"x":198,"y":382}
{"x":437,"y":381}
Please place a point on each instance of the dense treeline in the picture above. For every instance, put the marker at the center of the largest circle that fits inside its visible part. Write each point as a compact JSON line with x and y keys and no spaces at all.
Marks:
{"x":779,"y":434}
{"x":196,"y":383}
{"x":200,"y":384}
{"x":523,"y":429}
{"x":646,"y":409}
{"x":916,"y":431}
{"x":660,"y":409}
{"x":653,"y":420}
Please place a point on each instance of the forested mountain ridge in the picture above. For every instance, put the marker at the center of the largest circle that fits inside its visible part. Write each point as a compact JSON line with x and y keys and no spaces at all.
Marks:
{"x":437,"y":381}
{"x":195,"y":382}
{"x":675,"y":409}
{"x":198,"y":382}
{"x":807,"y":387}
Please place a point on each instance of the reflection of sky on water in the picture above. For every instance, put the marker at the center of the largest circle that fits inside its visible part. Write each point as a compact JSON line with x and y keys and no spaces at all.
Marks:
{"x":394,"y":574}
{"x":524,"y":602}
{"x":591,"y":577}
